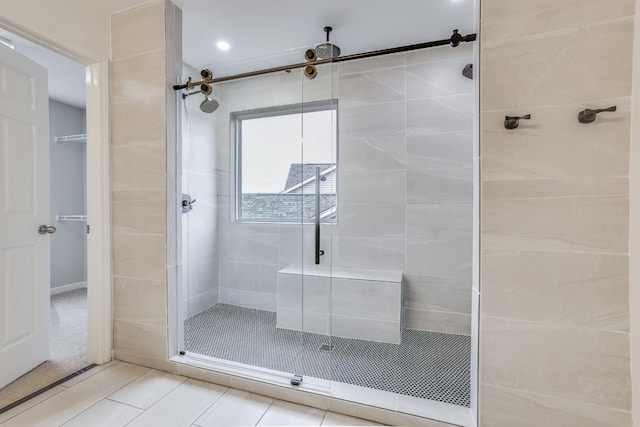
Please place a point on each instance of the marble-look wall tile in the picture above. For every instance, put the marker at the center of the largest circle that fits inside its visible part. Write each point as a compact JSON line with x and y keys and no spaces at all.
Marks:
{"x":372,"y":221}
{"x":447,"y":221}
{"x":562,"y":220}
{"x":372,"y":87}
{"x":372,"y":120}
{"x":372,"y":153}
{"x":554,"y":345}
{"x":369,"y":254}
{"x":553,"y":66}
{"x":557,"y":288}
{"x":141,"y":256}
{"x":139,"y":121}
{"x":222,"y":146}
{"x":372,"y":181}
{"x":137,"y":77}
{"x":201,"y":155}
{"x":138,"y":211}
{"x":289,"y":294}
{"x":249,"y":275}
{"x":425,"y":293}
{"x":252,"y":299}
{"x":440,"y":258}
{"x":437,"y":321}
{"x":375,"y":63}
{"x":139,"y":166}
{"x":138,"y":30}
{"x":140,"y":339}
{"x":437,"y":115}
{"x":139,"y":181}
{"x":440,"y":186}
{"x":366,"y":299}
{"x":201,"y":302}
{"x":504,"y":20}
{"x":139,"y":300}
{"x":441,"y":53}
{"x":587,"y":365}
{"x":554,"y":144}
{"x":506,"y":407}
{"x":376,"y":187}
{"x":297,"y":246}
{"x":441,"y":150}
{"x":436,"y":79}
{"x":257,"y":247}
{"x":365,"y":329}
{"x":298,"y":292}
{"x":202,"y":277}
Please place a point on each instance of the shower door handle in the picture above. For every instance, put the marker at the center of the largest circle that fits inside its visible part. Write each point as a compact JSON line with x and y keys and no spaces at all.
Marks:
{"x":319,"y":252}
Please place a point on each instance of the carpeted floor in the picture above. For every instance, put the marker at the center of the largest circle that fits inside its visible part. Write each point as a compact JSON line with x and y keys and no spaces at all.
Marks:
{"x":68,"y":347}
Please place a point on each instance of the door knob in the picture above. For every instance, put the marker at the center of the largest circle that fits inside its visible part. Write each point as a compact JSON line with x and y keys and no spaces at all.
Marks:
{"x":44,"y":229}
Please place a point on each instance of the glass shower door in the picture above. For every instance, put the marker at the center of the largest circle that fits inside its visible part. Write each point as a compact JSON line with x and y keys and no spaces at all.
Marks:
{"x":256,"y":303}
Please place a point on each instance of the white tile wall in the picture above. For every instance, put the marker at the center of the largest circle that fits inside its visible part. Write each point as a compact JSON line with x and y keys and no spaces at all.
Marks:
{"x":405,"y":185}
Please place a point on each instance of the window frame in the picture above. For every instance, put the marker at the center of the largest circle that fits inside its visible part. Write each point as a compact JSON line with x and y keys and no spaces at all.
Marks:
{"x":235,"y":140}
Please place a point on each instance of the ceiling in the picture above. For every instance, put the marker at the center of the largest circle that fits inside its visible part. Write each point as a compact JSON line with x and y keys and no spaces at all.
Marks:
{"x":271,"y":33}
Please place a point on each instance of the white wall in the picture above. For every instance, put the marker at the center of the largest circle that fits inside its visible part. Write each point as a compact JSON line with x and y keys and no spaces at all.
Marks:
{"x":75,"y":27}
{"x":68,"y":195}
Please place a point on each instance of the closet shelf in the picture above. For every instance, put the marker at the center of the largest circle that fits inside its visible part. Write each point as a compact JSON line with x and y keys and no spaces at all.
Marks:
{"x":71,"y":217}
{"x":82,"y":137}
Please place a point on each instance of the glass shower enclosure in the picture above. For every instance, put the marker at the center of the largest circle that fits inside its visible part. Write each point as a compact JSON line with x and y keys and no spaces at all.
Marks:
{"x":260,"y":177}
{"x":327,"y":229}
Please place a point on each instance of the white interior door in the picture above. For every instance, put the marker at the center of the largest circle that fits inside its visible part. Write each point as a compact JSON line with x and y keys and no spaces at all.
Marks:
{"x":24,"y":206}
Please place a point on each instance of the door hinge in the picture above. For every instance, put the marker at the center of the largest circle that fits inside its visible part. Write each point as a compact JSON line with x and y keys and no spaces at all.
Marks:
{"x":88,"y":228}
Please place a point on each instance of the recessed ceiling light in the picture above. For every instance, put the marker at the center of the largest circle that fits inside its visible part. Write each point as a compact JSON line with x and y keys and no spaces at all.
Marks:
{"x":222,"y":45}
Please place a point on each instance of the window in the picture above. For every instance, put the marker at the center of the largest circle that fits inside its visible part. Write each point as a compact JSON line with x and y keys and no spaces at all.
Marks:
{"x":277,"y":153}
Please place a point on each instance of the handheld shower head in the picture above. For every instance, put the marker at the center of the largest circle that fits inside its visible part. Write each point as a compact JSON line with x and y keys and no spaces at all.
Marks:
{"x":209,"y":105}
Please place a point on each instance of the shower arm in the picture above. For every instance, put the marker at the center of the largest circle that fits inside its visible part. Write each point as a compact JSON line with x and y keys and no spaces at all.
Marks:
{"x":204,"y":84}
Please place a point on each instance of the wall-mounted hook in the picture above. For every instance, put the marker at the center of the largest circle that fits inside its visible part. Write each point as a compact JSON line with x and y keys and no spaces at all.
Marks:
{"x":588,"y":115}
{"x":512,"y":122}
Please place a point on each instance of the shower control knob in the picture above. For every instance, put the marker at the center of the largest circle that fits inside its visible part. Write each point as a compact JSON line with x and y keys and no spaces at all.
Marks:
{"x":46,"y":229}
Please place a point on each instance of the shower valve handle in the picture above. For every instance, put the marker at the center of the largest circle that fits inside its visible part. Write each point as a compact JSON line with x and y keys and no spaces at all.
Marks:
{"x":512,"y":122}
{"x":588,"y":115}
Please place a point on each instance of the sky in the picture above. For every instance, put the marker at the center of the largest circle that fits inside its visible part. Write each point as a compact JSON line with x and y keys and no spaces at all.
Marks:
{"x":271,"y":144}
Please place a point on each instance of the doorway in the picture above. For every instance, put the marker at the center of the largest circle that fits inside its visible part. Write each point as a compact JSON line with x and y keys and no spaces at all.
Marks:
{"x":68,"y":242}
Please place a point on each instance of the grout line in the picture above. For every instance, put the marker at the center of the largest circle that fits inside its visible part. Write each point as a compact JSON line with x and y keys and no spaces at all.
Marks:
{"x":123,"y":403}
{"x":323,"y":417}
{"x":265,"y":412}
{"x":210,"y":405}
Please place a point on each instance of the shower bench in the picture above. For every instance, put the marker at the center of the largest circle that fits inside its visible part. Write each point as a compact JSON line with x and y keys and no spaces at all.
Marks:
{"x":361,"y":304}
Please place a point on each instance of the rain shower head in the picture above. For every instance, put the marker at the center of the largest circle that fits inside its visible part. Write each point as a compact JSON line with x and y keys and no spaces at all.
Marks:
{"x":209,"y":105}
{"x":327,"y":50}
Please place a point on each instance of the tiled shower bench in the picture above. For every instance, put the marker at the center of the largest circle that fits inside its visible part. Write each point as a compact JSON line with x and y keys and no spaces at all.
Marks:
{"x":361,"y":304}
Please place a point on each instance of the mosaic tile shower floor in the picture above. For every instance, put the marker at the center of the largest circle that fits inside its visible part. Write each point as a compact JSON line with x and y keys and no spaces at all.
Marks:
{"x":428,"y":365}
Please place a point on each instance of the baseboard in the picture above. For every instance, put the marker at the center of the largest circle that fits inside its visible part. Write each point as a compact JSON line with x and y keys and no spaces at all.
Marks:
{"x":69,"y":287}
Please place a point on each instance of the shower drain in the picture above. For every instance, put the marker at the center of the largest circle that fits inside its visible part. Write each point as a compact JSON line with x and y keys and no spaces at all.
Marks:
{"x":325,"y":347}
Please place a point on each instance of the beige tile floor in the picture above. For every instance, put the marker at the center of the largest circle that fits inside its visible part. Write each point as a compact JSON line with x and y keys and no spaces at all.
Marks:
{"x":121,"y":394}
